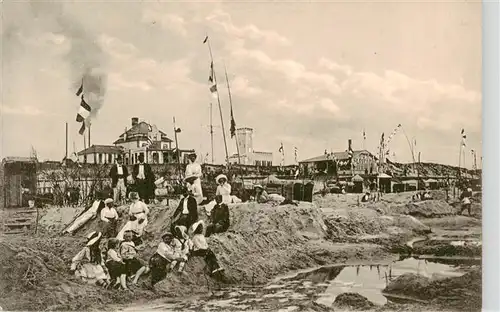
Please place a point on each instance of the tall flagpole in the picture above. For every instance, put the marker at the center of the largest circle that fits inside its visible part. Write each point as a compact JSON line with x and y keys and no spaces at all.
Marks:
{"x":231,"y":104}
{"x":218,"y":99}
{"x":211,"y":133}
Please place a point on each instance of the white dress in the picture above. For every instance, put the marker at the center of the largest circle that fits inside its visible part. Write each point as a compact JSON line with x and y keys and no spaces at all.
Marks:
{"x":140,"y":211}
{"x":225,"y":191}
{"x":194,"y":169}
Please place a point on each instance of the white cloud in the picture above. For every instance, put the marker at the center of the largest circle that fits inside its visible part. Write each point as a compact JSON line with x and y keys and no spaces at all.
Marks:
{"x":172,"y":22}
{"x":116,"y":47}
{"x":251,"y":31}
{"x":329,"y":64}
{"x":241,"y":86}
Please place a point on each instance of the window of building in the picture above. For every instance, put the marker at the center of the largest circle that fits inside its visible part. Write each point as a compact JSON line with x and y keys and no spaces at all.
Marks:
{"x":110,"y":158}
{"x":84,"y":159}
{"x":100,"y":159}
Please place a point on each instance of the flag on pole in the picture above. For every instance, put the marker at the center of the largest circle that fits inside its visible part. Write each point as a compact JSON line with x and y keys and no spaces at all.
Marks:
{"x":211,"y":80}
{"x":205,"y":40}
{"x":80,"y":90}
{"x":233,"y":124}
{"x":364,"y":134}
{"x":295,"y":152}
{"x":463,"y":137}
{"x":177,"y":130}
{"x":83,"y":114}
{"x":282,"y":151}
{"x":382,"y":139}
{"x":350,"y":152}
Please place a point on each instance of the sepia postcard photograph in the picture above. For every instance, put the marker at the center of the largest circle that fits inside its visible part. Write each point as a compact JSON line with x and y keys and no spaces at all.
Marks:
{"x":241,"y":156}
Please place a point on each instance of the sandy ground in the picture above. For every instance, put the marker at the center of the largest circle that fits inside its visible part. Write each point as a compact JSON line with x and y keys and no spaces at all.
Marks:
{"x":262,"y":242}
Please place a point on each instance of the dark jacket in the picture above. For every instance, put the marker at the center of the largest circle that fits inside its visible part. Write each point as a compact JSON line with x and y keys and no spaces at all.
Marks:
{"x":113,"y":173}
{"x":148,"y":173}
{"x":192,"y":216}
{"x":220,"y":215}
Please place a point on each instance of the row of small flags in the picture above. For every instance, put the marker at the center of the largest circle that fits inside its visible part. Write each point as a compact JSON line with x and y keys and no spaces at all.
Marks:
{"x":83,"y":111}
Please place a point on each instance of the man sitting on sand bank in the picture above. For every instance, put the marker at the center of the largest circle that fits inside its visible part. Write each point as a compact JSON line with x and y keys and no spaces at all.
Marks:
{"x":161,"y":259}
{"x":219,"y":218}
{"x":186,"y":213}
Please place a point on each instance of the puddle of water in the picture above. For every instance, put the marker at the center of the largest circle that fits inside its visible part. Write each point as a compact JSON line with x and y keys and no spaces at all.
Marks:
{"x":321,"y":285}
{"x":369,"y":281}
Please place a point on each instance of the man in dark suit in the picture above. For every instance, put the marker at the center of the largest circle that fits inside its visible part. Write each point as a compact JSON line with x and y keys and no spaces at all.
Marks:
{"x":186,"y":213}
{"x":119,"y":174}
{"x":144,"y":179}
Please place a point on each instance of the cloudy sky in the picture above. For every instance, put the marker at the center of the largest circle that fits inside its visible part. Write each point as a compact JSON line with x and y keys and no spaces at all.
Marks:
{"x":310,"y":75}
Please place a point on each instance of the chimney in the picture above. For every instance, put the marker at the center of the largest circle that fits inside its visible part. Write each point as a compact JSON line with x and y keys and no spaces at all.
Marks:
{"x":135,"y":121}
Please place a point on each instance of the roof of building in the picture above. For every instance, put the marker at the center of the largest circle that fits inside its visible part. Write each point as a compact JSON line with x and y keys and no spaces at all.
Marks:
{"x":102,"y":149}
{"x":338,"y":156}
{"x":140,"y":130}
{"x":18,"y":159}
{"x":267,"y":153}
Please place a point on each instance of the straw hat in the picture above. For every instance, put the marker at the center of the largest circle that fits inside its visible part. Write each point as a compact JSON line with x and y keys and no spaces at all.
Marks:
{"x":219,"y":177}
{"x":258,"y":186}
{"x":197,"y":224}
{"x":190,"y":179}
{"x":93,"y":238}
{"x":183,"y":230}
{"x":108,"y":201}
{"x":166,"y":234}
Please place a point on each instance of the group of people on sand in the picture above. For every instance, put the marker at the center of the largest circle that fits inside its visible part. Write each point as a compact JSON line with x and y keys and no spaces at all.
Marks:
{"x":116,"y":262}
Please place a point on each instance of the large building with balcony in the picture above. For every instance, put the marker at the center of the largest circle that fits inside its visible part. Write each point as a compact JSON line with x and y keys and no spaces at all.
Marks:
{"x":141,"y":139}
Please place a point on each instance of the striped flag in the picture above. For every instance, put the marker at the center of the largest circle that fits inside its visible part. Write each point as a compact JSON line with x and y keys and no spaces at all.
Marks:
{"x":364,"y":134}
{"x":83,"y":113}
{"x":281,"y":148}
{"x":463,"y":137}
{"x":295,"y":151}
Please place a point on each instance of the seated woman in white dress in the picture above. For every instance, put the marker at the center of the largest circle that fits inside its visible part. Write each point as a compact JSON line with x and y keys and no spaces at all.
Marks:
{"x":88,"y":264}
{"x":138,"y":218}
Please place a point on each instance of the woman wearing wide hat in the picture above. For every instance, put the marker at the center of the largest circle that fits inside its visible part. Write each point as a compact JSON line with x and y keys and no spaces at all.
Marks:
{"x":88,"y":264}
{"x":193,"y":171}
{"x":223,"y":188}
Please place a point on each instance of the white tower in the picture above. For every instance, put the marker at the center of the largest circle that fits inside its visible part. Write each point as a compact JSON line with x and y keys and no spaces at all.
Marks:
{"x":245,"y":143}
